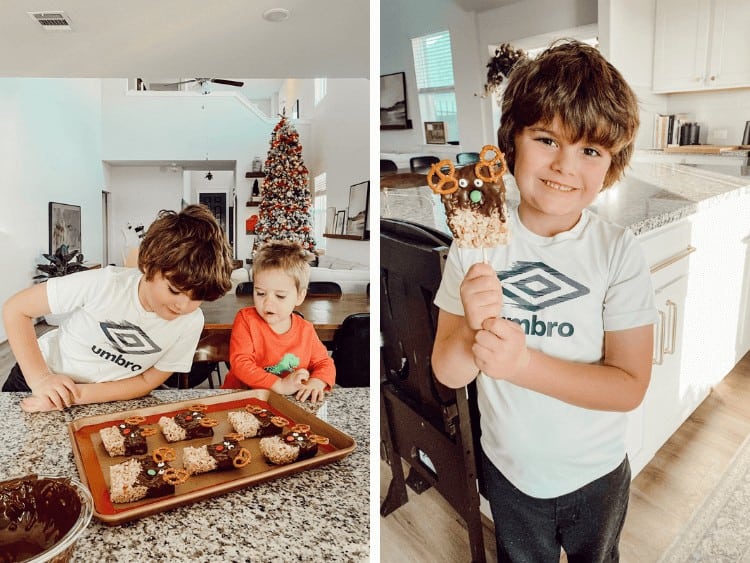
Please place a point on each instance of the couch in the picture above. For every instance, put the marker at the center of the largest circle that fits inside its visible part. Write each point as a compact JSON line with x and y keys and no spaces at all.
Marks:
{"x":351,"y":276}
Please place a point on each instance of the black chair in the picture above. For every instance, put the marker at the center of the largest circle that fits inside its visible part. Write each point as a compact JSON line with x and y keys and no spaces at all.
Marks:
{"x":244,"y":288}
{"x":422,"y":164}
{"x":388,"y":165}
{"x":199,"y":372}
{"x":467,"y":157}
{"x":323,"y":289}
{"x":351,"y":351}
{"x":432,"y":427}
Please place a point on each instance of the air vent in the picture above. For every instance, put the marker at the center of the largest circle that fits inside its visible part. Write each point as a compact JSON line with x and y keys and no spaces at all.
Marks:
{"x":52,"y":21}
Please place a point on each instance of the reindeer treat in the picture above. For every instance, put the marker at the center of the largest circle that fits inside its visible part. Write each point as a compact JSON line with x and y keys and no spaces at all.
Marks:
{"x":474,"y":199}
{"x":145,"y":477}
{"x":188,"y":425}
{"x":226,"y":454}
{"x":127,"y":438}
{"x":293,"y":445}
{"x":255,"y":421}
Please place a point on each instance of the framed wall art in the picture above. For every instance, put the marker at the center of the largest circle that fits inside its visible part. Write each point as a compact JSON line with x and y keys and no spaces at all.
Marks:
{"x":434,"y":132}
{"x":393,"y":114}
{"x":64,"y":226}
{"x":356,"y":224}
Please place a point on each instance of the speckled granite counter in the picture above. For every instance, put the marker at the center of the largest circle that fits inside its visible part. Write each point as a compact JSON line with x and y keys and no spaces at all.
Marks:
{"x":321,"y":514}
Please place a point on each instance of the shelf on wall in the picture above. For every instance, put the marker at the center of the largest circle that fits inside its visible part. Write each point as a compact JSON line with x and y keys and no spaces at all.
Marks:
{"x":347,"y":237}
{"x":255,"y":174}
{"x":252,"y":204}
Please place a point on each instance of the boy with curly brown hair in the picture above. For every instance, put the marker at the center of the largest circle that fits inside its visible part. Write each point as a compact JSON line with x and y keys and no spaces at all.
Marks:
{"x":557,"y":327}
{"x":127,"y":330}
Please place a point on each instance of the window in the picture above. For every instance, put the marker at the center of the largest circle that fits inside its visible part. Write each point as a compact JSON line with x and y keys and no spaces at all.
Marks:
{"x":321,"y":89}
{"x":319,"y":210}
{"x":433,"y":64}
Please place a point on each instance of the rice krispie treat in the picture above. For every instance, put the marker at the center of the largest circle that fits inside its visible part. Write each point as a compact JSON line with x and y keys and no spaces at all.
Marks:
{"x":226,"y":454}
{"x":127,"y":438}
{"x":294,"y":445}
{"x":188,"y":425}
{"x":255,"y":421}
{"x":145,"y":477}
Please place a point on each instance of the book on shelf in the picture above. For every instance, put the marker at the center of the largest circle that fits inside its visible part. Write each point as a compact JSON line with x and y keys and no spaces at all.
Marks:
{"x":667,"y":129}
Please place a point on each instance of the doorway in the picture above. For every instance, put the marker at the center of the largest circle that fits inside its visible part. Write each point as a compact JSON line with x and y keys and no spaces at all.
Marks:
{"x":217,"y":203}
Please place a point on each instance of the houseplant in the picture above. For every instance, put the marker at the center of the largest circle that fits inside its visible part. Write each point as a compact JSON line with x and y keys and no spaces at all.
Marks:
{"x":61,"y":263}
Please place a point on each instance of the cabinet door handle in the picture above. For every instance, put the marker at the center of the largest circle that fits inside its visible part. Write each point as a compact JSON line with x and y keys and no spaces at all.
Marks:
{"x":672,"y":316}
{"x":658,"y":358}
{"x":672,"y":259}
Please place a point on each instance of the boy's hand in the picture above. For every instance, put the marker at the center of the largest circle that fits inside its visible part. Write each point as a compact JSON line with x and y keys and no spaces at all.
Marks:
{"x":37,"y":404}
{"x":500,"y":348}
{"x":53,"y":389}
{"x":291,"y":383}
{"x":314,"y":389}
{"x":481,"y":295}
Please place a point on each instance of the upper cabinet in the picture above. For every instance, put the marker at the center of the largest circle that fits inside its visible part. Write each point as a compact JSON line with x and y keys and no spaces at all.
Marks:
{"x":701,"y":45}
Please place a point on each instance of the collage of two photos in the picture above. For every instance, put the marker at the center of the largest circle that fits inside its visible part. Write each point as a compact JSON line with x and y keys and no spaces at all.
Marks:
{"x":224,"y":338}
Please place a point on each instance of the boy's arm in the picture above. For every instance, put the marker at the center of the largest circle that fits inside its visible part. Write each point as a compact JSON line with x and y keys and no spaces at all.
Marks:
{"x":122,"y":389}
{"x":321,"y":365}
{"x":18,"y":316}
{"x":452,"y":359}
{"x":617,"y":383}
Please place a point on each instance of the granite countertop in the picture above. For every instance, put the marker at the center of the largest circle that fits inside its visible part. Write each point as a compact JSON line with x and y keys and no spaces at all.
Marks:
{"x":320,"y":514}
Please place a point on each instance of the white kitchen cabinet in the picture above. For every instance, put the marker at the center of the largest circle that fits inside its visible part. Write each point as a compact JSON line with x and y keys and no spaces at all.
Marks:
{"x":701,"y":44}
{"x":670,"y":397}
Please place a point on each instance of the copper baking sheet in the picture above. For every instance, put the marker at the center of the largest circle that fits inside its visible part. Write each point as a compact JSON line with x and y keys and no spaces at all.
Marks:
{"x":93,"y":461}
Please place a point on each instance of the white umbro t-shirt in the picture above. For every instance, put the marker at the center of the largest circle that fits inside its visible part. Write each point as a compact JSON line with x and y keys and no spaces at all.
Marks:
{"x":566,"y":291}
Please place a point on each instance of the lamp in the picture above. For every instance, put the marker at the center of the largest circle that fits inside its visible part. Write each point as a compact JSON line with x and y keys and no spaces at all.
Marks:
{"x":209,"y":176}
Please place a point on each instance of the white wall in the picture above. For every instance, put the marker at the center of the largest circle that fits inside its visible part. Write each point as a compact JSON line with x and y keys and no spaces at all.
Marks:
{"x":471,"y":34}
{"x":50,"y":150}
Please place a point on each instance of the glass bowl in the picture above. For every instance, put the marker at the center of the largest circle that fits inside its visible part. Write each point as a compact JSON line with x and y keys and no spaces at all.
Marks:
{"x":42,"y":517}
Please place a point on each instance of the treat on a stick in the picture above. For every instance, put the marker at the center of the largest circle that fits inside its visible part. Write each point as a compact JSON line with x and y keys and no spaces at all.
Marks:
{"x":255,"y":421}
{"x":227,"y":454}
{"x":126,"y":438}
{"x":293,"y":445}
{"x":188,"y":425}
{"x":145,"y":477}
{"x":474,"y":199}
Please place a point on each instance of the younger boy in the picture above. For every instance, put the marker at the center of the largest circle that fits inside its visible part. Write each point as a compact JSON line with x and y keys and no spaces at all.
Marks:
{"x":271,"y":347}
{"x":128,"y":329}
{"x":557,"y":328}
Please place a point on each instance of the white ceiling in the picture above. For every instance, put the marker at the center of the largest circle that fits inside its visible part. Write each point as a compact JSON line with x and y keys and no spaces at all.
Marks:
{"x":482,"y":5}
{"x":214,"y":38}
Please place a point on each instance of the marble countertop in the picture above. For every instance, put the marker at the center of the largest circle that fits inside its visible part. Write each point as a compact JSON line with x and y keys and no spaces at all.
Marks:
{"x":320,"y":514}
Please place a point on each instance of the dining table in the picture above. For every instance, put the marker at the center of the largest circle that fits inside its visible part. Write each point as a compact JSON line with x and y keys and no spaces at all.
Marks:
{"x":319,"y":514}
{"x":325,"y":313}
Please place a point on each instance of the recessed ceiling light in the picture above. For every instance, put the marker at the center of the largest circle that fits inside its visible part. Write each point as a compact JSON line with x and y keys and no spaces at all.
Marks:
{"x":276,"y":15}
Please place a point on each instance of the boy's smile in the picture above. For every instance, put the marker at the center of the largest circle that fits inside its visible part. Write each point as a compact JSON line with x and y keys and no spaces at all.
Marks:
{"x":275,"y":296}
{"x":557,"y":178}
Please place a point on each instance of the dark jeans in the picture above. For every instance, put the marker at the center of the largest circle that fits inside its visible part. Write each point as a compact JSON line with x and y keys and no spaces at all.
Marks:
{"x":586,"y":523}
{"x":16,"y":381}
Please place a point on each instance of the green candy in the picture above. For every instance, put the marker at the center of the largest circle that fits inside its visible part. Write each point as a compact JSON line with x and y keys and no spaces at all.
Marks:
{"x":475,"y":196}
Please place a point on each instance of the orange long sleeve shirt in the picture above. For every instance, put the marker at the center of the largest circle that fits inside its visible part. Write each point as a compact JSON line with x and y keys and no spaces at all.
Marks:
{"x":258,"y":356}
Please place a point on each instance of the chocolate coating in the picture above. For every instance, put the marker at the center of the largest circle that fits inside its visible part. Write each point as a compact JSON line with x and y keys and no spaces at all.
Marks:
{"x":492,"y":194}
{"x":191,"y":422}
{"x":34,"y":515}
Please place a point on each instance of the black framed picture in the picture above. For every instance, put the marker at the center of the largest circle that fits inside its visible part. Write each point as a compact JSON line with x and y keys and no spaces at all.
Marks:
{"x":356,"y":223}
{"x":295,"y":110}
{"x":64,"y":226}
{"x":393,"y":114}
{"x":434,"y":132}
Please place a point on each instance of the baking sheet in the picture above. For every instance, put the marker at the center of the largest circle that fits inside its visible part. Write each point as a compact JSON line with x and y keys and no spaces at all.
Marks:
{"x":93,"y":461}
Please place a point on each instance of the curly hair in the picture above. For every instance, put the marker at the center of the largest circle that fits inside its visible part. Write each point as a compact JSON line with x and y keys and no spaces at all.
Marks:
{"x":287,"y":256}
{"x":190,"y":250}
{"x":575,"y":83}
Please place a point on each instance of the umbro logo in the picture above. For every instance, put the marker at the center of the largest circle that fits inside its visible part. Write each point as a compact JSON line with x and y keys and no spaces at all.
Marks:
{"x":534,"y":285}
{"x":128,"y":338}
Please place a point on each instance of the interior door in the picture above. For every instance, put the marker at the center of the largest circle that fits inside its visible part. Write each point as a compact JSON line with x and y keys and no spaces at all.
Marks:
{"x":217,"y":203}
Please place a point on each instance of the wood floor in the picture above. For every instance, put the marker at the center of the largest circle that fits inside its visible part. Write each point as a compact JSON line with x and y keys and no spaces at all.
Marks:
{"x":662,"y":498}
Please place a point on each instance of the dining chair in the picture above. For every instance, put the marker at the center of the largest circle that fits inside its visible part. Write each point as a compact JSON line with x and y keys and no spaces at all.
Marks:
{"x":467,"y":157}
{"x":388,"y":165}
{"x":421,"y":164}
{"x":324,"y":289}
{"x":244,"y":288}
{"x":350,"y":351}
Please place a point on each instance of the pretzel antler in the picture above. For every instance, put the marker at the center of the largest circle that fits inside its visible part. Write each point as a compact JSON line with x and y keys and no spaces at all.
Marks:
{"x":486,"y":168}
{"x":437,"y":170}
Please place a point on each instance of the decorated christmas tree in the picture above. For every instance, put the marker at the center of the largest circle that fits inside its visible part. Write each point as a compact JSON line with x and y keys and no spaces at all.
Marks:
{"x":284,"y":211}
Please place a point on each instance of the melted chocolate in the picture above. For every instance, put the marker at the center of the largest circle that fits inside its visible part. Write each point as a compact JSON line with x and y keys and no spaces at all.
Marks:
{"x":151,"y":477}
{"x":224,"y":453}
{"x":267,"y":428}
{"x":135,"y":442}
{"x":34,"y":515}
{"x":301,"y":440}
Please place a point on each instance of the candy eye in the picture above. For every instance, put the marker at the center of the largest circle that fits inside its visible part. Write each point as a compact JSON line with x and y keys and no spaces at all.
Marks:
{"x":463,"y":182}
{"x":478,"y":183}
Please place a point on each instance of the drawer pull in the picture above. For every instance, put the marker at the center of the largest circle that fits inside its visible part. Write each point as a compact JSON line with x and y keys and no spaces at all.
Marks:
{"x":658,"y":358}
{"x":672,"y":316}
{"x":672,"y":259}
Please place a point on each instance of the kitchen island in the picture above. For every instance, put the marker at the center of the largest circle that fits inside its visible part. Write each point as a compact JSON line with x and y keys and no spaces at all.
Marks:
{"x":320,"y":514}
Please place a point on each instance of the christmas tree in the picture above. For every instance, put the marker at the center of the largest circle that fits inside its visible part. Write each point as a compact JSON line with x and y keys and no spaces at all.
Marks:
{"x":284,"y":211}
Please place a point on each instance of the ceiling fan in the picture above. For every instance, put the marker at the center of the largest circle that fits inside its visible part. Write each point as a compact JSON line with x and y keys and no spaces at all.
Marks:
{"x":202,"y":81}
